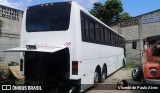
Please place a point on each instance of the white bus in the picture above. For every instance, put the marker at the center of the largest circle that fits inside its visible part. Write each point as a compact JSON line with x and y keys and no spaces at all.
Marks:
{"x":63,"y":44}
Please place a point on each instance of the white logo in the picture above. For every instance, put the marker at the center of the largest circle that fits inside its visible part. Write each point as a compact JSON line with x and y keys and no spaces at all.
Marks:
{"x":9,"y":87}
{"x":6,"y":87}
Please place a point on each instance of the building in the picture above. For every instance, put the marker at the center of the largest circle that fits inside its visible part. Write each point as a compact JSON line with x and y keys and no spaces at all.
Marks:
{"x":9,"y":33}
{"x":137,"y":28}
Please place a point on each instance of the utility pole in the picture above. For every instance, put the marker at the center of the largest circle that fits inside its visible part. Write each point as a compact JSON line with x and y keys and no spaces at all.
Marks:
{"x":139,"y":34}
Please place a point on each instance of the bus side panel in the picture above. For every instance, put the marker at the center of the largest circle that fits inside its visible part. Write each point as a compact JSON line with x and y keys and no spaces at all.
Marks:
{"x":109,"y":55}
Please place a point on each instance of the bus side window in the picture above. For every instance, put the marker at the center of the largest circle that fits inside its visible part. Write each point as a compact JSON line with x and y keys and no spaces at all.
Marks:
{"x":102,"y":34}
{"x":109,"y":36}
{"x":92,"y":30}
{"x":117,"y":40}
{"x":113,"y":41}
{"x":83,"y":26}
{"x":123,"y":42}
{"x":106,"y":35}
{"x":86,"y":28}
{"x":84,"y":23}
{"x":97,"y":32}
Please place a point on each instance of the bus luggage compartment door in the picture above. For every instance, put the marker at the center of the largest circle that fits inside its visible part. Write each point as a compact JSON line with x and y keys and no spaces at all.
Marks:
{"x":46,"y":68}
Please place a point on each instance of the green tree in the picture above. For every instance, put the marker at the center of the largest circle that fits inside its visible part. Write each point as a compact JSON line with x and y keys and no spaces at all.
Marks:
{"x":98,"y":10}
{"x":124,"y":16}
{"x":109,"y":12}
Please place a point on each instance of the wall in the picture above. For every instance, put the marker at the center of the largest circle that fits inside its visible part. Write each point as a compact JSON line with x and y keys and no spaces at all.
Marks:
{"x":138,"y":28}
{"x":10,"y":33}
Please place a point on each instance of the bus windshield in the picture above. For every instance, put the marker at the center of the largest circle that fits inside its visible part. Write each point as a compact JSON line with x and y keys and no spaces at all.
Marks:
{"x":48,"y":17}
{"x":153,"y":39}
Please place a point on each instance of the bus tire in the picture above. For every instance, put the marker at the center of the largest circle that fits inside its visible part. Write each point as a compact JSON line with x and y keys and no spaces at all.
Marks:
{"x":137,"y":73}
{"x":96,"y":77}
{"x":74,"y":90}
{"x":104,"y":74}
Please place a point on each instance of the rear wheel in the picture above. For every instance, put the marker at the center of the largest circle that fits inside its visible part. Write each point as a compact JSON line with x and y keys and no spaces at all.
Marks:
{"x":137,"y":73}
{"x":96,"y":78}
{"x":104,"y":74}
{"x":74,"y":90}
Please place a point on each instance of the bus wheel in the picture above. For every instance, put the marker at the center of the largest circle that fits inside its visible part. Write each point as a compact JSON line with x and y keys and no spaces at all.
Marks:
{"x":137,"y":73}
{"x":74,"y":90}
{"x":104,"y":74}
{"x":96,"y":78}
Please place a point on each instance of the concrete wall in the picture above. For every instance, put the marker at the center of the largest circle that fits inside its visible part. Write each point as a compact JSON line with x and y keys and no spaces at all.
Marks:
{"x":131,"y":33}
{"x":10,"y":33}
{"x":132,"y":30}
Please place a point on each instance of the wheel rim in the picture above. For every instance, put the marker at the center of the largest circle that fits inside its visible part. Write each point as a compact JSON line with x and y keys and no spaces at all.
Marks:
{"x":135,"y":71}
{"x":103,"y":75}
{"x":96,"y":77}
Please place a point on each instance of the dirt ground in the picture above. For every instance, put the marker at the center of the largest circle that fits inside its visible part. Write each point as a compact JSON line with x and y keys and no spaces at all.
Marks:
{"x":110,"y":84}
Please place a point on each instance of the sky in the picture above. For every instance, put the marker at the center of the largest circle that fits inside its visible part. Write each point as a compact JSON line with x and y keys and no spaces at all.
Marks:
{"x":133,"y":7}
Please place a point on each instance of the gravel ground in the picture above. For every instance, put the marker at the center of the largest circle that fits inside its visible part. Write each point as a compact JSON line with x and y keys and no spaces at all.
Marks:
{"x":111,"y":81}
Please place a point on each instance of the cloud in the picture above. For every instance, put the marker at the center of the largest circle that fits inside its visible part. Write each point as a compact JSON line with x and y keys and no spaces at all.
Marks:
{"x":22,"y":4}
{"x":16,"y":4}
{"x":87,"y":4}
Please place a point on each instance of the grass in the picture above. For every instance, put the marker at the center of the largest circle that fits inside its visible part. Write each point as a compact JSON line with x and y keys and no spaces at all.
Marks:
{"x":130,"y":65}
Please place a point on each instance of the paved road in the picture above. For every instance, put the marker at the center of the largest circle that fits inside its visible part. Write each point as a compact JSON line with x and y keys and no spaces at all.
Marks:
{"x":124,"y":73}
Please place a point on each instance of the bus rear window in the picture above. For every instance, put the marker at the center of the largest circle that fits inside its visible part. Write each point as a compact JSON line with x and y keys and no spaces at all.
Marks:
{"x":48,"y":17}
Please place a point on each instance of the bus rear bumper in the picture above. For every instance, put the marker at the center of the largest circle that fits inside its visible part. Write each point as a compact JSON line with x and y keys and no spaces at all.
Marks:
{"x":152,"y":81}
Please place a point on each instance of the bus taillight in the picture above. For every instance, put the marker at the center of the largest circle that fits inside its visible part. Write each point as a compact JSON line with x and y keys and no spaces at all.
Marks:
{"x":21,"y":64}
{"x":74,"y":67}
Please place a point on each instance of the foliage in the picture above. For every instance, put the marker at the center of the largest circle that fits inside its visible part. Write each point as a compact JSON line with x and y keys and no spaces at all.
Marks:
{"x":124,"y":16}
{"x":130,"y":65}
{"x":110,"y":11}
{"x":98,"y":10}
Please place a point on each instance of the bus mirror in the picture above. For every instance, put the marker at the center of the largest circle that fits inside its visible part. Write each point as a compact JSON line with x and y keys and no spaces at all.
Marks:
{"x":134,"y":45}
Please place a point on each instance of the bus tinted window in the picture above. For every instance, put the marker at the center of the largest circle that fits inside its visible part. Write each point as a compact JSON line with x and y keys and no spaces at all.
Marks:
{"x":112,"y":38}
{"x":83,"y":25}
{"x":102,"y":34}
{"x":91,"y":30}
{"x":109,"y":36}
{"x":106,"y":36}
{"x":53,"y":17}
{"x":86,"y":28}
{"x":97,"y":32}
